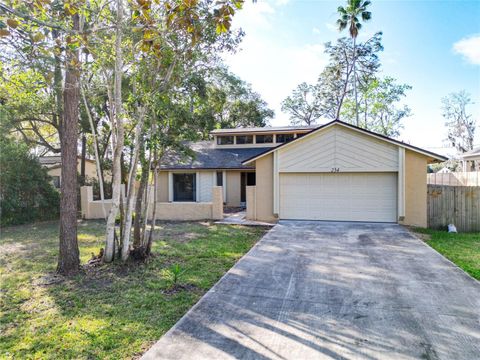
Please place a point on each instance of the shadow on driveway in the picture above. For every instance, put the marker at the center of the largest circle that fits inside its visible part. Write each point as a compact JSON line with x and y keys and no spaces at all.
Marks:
{"x":312,"y":290}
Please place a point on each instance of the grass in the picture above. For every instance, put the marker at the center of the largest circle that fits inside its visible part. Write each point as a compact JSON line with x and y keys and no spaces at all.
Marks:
{"x":111,"y":311}
{"x":461,"y":248}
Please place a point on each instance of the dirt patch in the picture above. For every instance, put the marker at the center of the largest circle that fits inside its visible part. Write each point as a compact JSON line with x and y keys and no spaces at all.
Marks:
{"x":179,"y":232}
{"x":182,"y":287}
{"x":12,"y":248}
{"x":48,"y":279}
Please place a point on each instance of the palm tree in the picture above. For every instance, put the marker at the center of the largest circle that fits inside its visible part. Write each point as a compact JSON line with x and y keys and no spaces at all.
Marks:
{"x":349,"y":17}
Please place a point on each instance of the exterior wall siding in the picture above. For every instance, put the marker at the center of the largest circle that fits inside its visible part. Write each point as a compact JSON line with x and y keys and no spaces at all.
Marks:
{"x":415,"y":189}
{"x":162,"y":186}
{"x":90,"y":170}
{"x":233,"y":188}
{"x":264,"y":189}
{"x":164,"y":210}
{"x":205,"y":179}
{"x":341,"y":148}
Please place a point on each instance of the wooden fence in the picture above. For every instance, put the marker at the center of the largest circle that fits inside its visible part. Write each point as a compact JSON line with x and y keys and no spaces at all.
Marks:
{"x":471,"y":178}
{"x":458,"y":205}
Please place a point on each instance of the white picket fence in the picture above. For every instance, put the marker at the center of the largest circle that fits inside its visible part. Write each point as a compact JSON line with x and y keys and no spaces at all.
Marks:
{"x":471,"y":178}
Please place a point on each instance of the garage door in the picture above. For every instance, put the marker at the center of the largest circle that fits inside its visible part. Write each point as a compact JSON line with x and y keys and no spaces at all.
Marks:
{"x":342,"y":197}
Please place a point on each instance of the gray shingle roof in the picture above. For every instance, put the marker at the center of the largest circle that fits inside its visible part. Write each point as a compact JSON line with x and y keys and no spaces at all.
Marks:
{"x":209,"y":157}
{"x":50,"y":160}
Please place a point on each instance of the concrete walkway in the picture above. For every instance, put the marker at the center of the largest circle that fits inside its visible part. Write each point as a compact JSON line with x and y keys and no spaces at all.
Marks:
{"x":315,"y":290}
{"x":240,"y":218}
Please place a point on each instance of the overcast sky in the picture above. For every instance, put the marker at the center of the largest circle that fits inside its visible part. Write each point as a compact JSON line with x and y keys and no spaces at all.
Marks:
{"x":432,"y":45}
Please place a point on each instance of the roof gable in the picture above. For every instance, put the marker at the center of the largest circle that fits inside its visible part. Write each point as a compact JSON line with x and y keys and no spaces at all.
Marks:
{"x":338,"y":147}
{"x":324,"y":127}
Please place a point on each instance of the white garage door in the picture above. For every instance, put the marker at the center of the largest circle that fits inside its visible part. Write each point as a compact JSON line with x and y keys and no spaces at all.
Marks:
{"x":339,"y":196}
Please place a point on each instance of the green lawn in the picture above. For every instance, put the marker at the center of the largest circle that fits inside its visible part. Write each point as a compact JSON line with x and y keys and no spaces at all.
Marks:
{"x":463,"y":249}
{"x":111,"y":311}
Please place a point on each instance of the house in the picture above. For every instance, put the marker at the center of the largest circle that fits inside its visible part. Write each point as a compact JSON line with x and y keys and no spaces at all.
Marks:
{"x":470,"y":157}
{"x":336,"y":171}
{"x":54,"y":163}
{"x":444,"y":170}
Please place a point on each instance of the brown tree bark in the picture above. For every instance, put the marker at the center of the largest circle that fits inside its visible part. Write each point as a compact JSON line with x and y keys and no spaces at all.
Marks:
{"x":68,"y":258}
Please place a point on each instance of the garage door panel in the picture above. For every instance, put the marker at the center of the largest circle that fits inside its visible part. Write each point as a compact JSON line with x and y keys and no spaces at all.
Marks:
{"x":339,"y":196}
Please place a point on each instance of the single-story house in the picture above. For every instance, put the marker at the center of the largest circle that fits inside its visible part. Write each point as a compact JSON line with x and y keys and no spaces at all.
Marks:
{"x":54,"y":163}
{"x":336,"y":172}
{"x":469,"y":158}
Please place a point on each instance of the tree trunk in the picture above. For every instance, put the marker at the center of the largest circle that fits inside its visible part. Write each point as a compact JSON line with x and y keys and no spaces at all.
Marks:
{"x":68,"y":258}
{"x":355,"y":78}
{"x":58,"y":82}
{"x":117,"y":154}
{"x":344,"y":93}
{"x":146,"y":206}
{"x":137,"y":224}
{"x":154,"y":211}
{"x":97,"y":158}
{"x":131,"y":187}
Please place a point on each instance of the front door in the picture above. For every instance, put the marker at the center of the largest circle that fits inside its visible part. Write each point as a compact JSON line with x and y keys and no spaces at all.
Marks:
{"x":247,"y":179}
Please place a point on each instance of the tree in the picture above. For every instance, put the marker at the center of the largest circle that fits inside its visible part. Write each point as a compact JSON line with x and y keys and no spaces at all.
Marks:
{"x":349,"y":17}
{"x":27,"y":193}
{"x":378,"y":105}
{"x":334,"y":83}
{"x":69,"y":254}
{"x":172,"y":37}
{"x":47,"y":38}
{"x":47,"y":34}
{"x":219,"y":99}
{"x":304,"y":105}
{"x":460,"y":123}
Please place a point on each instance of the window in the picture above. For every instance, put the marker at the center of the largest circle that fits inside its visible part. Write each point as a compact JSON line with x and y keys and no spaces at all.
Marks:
{"x":224,"y":140}
{"x":282,"y":138}
{"x":56,"y":181}
{"x":184,"y":187}
{"x":264,"y":139}
{"x":245,"y":139}
{"x":219,"y":178}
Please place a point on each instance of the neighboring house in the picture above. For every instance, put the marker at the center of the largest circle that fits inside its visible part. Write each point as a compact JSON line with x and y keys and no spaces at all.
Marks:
{"x":444,"y":170}
{"x":54,"y":163}
{"x":470,"y":158}
{"x":336,"y":171}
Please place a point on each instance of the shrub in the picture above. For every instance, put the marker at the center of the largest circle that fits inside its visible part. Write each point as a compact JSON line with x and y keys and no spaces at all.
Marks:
{"x":26,"y":191}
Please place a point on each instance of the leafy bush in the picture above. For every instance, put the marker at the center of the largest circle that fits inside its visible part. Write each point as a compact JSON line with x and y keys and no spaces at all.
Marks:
{"x":26,"y":192}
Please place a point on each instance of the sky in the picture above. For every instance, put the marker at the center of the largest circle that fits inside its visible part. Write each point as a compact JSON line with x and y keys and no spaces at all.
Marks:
{"x":433,"y":45}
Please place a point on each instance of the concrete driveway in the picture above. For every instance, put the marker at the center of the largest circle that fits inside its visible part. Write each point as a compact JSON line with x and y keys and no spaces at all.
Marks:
{"x":314,"y":290}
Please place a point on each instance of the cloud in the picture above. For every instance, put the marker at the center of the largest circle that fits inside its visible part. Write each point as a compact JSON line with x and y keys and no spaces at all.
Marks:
{"x":255,"y":15}
{"x":469,"y":48}
{"x":331,"y":27}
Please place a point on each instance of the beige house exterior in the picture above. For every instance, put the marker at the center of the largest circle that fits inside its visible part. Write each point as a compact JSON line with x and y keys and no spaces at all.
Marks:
{"x":219,"y":163}
{"x":53,"y":165}
{"x":333,"y":172}
{"x":340,"y":172}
